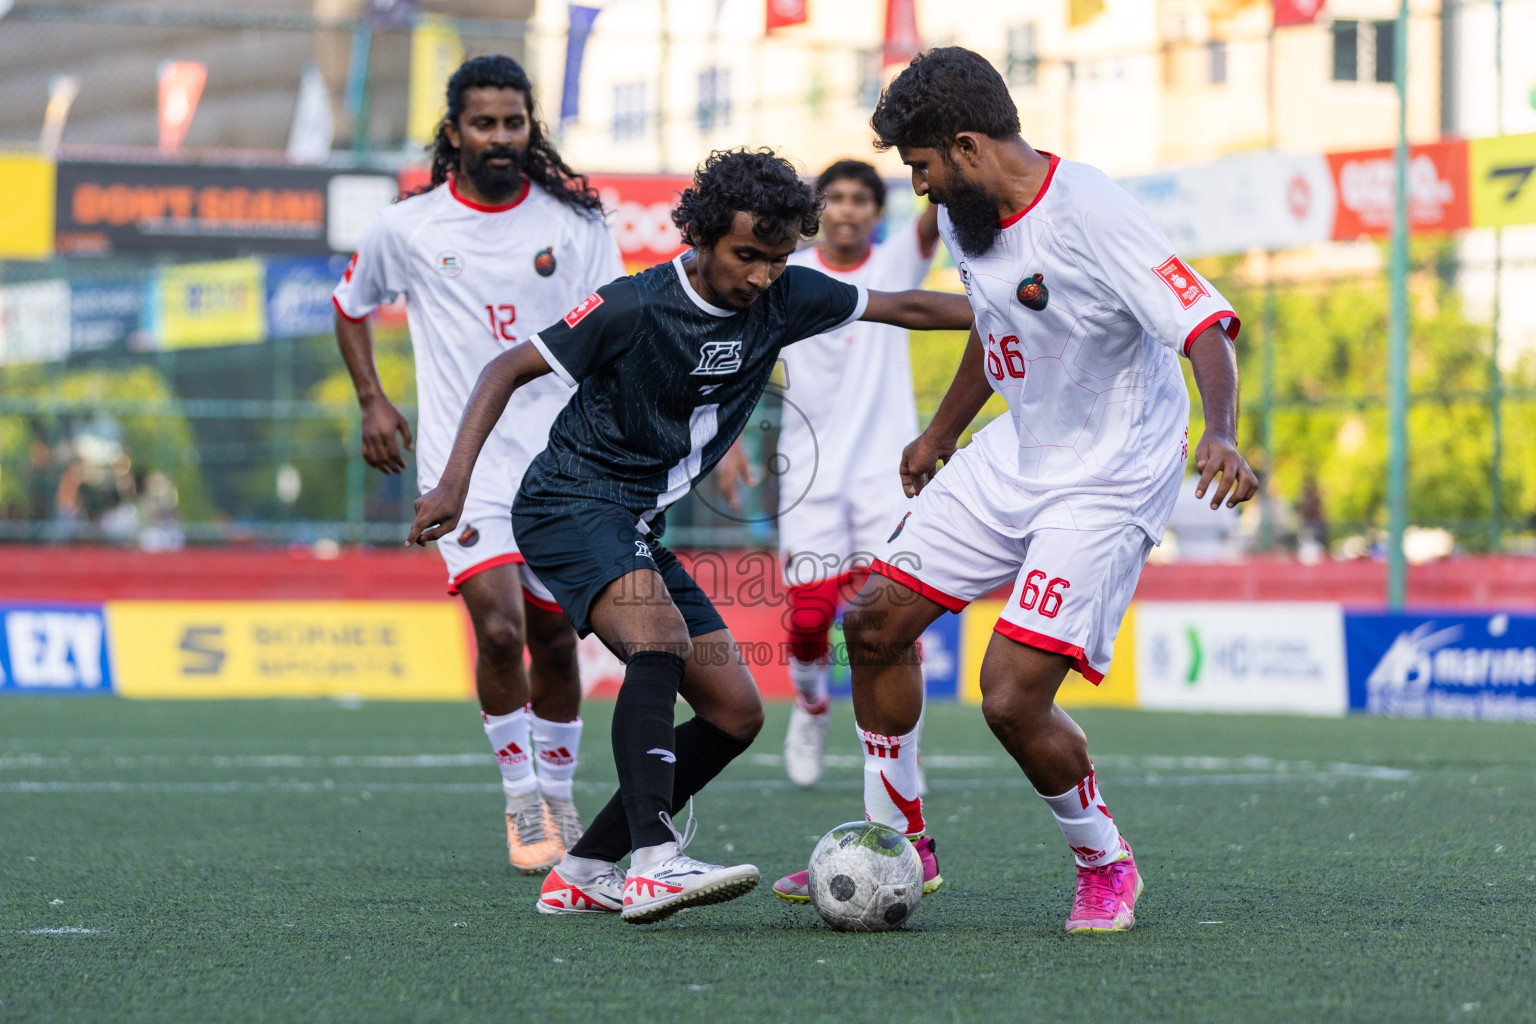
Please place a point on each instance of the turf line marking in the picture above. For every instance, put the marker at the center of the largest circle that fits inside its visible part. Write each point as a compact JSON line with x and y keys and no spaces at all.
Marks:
{"x":59,"y":931}
{"x":1354,"y":772}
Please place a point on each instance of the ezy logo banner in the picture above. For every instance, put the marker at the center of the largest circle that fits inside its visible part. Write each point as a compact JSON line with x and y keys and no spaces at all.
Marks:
{"x":53,"y":648}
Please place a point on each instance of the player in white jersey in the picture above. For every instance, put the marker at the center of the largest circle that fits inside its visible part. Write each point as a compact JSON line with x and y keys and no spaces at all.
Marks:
{"x":1082,"y":310}
{"x":506,"y":240}
{"x":848,"y":412}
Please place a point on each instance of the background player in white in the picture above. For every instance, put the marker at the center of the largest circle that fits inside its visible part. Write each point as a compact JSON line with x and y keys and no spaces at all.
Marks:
{"x":1084,"y":308}
{"x":505,"y":240}
{"x":848,"y":413}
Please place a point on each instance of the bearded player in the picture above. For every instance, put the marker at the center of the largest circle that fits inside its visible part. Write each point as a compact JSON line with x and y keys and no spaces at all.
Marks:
{"x":849,"y":412}
{"x":1082,"y":311}
{"x":505,"y":240}
{"x":669,"y":365}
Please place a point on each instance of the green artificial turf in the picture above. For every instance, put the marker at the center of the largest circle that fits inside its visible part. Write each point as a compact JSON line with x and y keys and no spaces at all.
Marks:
{"x":314,"y":862}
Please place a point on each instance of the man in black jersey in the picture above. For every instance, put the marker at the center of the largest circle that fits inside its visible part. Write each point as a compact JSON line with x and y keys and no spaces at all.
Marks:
{"x":669,"y":365}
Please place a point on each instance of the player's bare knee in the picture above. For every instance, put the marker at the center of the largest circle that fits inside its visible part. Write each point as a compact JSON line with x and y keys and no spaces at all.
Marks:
{"x":500,"y":637}
{"x":552,"y":644}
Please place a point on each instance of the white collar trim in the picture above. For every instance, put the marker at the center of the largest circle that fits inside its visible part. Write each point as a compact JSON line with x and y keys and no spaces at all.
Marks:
{"x":698,"y":300}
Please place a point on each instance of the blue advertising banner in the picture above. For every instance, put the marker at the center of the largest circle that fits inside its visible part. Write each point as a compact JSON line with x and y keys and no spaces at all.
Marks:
{"x":299,"y":295}
{"x":1442,"y":666}
{"x":104,"y":314}
{"x":53,"y":648}
{"x":941,"y":660}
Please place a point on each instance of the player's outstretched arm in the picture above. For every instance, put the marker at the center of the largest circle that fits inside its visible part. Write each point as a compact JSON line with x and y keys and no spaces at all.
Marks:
{"x":967,"y":393}
{"x":437,"y":511}
{"x":920,"y":310}
{"x":381,"y":420}
{"x":1214,"y":361}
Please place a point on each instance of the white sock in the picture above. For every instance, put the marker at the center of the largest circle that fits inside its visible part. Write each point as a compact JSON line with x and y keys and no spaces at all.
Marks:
{"x":1085,"y":822}
{"x":509,"y":740}
{"x":890,"y":781}
{"x":556,"y":744}
{"x":810,"y":679}
{"x":582,"y":870}
{"x":647,"y":857}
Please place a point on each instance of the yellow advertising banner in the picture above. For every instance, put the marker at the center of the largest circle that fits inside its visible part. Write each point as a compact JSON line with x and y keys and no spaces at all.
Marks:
{"x":378,"y":650}
{"x":1501,"y":174}
{"x":1117,"y":690}
{"x":436,"y":52}
{"x":207,"y":304}
{"x":26,"y":217}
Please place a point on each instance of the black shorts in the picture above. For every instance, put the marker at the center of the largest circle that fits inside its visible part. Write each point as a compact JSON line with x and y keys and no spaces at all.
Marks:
{"x":576,"y":554}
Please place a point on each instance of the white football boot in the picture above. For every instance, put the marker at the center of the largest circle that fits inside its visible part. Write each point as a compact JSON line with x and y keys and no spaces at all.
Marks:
{"x":806,"y":739}
{"x":679,"y":881}
{"x":601,"y":894}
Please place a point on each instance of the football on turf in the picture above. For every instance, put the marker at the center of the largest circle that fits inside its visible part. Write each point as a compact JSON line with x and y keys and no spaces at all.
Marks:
{"x":865,"y":877}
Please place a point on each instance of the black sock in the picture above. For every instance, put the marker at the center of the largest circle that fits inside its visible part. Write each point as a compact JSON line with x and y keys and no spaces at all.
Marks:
{"x":644,"y":744}
{"x":703,"y":751}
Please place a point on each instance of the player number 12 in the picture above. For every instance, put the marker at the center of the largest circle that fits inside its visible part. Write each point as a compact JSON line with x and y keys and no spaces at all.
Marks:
{"x":501,"y":320}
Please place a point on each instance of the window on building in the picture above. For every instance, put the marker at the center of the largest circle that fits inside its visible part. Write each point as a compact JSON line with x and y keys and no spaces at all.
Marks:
{"x":1385,"y":40}
{"x":714,"y":99}
{"x":1216,"y":51}
{"x":629,"y":113}
{"x":1023,"y":59}
{"x":870,"y":80}
{"x":1346,"y":51}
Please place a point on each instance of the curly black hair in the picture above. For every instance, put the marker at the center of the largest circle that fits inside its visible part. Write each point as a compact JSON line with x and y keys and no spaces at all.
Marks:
{"x":853,"y":170}
{"x":755,"y":181}
{"x":541,"y":164}
{"x":943,"y":92}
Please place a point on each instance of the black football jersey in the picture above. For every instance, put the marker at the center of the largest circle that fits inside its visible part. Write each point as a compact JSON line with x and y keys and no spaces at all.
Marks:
{"x":664,"y":383}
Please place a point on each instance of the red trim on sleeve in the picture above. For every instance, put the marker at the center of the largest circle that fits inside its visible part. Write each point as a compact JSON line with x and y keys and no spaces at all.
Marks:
{"x":511,"y":558}
{"x":344,"y":315}
{"x":1225,"y":314}
{"x":911,"y":582}
{"x":481,"y":207}
{"x":539,"y":602}
{"x":1049,"y":174}
{"x":1030,"y":638}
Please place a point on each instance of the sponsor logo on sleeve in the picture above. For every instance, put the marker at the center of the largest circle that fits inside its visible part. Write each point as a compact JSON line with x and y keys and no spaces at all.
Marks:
{"x":1177,"y":276}
{"x":584,"y":307}
{"x":717,"y":358}
{"x":346,"y":275}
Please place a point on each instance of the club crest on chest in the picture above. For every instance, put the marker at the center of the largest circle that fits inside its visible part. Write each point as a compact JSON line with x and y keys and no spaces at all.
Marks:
{"x":1033,"y":293}
{"x":544,"y":262}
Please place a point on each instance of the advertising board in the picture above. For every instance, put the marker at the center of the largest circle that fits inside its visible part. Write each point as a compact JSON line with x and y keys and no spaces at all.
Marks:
{"x":53,"y":649}
{"x":1278,"y":657}
{"x":379,"y":650}
{"x":1443,"y":666}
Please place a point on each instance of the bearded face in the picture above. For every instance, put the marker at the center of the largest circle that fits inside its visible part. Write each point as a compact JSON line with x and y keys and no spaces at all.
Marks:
{"x":972,"y":212}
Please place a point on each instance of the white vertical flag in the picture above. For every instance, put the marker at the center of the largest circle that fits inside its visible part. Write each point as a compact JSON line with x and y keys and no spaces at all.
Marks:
{"x":314,"y":126}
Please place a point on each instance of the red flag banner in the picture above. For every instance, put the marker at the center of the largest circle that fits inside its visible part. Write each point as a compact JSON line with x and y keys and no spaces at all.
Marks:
{"x":181,"y":86}
{"x":1367,"y":188}
{"x":902,"y":40}
{"x":782,"y":13}
{"x":1296,"y":12}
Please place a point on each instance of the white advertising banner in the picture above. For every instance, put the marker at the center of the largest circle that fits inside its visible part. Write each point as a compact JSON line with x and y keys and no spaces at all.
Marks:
{"x":1260,"y":201}
{"x":34,"y":322}
{"x":1249,"y":656}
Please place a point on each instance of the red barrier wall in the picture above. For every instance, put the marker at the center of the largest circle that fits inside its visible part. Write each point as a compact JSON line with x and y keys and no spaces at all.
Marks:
{"x":98,"y":574}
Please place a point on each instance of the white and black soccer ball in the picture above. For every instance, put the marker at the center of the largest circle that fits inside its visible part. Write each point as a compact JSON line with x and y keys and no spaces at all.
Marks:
{"x":865,"y":877}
